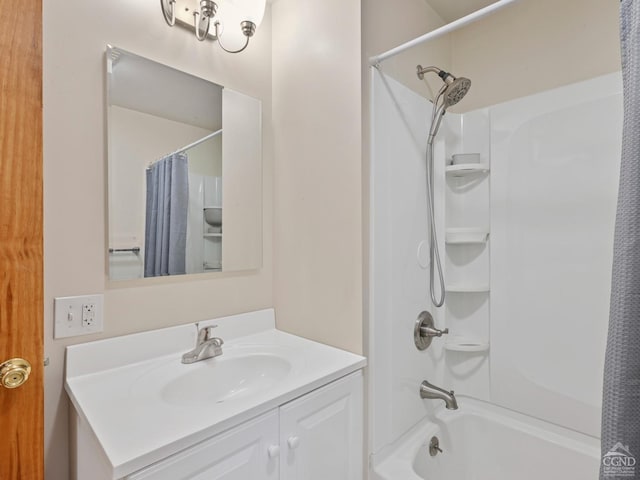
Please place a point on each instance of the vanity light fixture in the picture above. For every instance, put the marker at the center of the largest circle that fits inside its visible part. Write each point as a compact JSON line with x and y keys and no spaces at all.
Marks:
{"x":235,"y":21}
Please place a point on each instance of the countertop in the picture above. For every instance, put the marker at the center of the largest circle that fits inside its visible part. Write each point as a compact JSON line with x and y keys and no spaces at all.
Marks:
{"x":111,"y":386}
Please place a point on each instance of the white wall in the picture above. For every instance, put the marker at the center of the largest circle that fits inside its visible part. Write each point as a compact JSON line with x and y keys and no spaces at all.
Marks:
{"x":317,"y":139}
{"x":399,"y":282}
{"x":536,"y":45}
{"x":206,"y":158}
{"x":555,"y":169}
{"x":75,"y":179}
{"x":242,"y":182}
{"x":389,"y":24}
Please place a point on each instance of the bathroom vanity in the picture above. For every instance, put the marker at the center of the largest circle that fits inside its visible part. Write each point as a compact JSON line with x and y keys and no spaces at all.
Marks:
{"x":272,"y":406}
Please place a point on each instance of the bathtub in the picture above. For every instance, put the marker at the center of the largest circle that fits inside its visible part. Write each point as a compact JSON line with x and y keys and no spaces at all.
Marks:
{"x":483,"y":442}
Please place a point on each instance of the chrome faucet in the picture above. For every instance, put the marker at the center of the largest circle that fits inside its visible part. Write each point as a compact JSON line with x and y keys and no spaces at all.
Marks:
{"x":430,"y":391}
{"x":207,"y":346}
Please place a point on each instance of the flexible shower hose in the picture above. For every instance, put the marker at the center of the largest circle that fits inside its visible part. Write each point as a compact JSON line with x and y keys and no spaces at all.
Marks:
{"x":434,"y":252}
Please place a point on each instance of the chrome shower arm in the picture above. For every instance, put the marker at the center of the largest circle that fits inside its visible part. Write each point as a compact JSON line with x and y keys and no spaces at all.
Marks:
{"x":420,"y":70}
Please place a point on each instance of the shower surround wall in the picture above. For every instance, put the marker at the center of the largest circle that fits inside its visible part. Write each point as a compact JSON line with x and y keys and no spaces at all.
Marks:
{"x":555,"y":169}
{"x":548,"y":204}
{"x":398,"y":282}
{"x":399,"y":262}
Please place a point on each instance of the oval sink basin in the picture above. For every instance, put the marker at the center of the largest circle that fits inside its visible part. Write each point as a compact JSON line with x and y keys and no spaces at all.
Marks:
{"x":214,"y":380}
{"x":219,"y":379}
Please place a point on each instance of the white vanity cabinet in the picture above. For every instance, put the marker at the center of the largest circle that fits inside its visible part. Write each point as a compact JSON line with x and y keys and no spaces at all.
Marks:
{"x":315,"y":437}
{"x":242,"y":453}
{"x":273,"y":406}
{"x":321,"y":433}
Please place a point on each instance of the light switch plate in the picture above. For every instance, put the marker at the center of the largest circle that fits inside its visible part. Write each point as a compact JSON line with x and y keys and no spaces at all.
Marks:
{"x":79,"y":315}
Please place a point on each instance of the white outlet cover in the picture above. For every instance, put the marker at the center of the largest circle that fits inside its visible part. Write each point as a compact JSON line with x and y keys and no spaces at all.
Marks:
{"x":68,"y":316}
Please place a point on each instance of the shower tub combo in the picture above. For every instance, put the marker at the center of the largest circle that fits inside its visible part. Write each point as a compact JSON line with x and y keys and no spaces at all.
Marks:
{"x":528,"y":387}
{"x":525,"y":221}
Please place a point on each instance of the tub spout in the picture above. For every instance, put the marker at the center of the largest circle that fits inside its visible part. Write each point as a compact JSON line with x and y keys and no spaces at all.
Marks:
{"x":430,"y":391}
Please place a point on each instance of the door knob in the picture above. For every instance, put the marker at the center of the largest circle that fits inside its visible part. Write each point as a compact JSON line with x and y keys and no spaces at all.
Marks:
{"x":14,"y":372}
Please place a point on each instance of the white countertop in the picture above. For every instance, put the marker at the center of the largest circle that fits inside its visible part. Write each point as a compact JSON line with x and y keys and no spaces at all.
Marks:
{"x":114,"y":383}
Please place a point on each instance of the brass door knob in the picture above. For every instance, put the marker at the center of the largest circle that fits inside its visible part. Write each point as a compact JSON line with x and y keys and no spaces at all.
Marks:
{"x":14,"y":372}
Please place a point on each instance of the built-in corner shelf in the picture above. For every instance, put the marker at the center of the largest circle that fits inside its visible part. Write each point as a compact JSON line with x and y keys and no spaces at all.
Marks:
{"x":213,"y":218}
{"x":464,"y":169}
{"x":466,"y":236}
{"x":469,"y":288}
{"x":464,"y":344}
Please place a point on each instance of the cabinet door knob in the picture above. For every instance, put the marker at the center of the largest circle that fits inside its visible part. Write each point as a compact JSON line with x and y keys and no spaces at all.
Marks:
{"x":293,"y":442}
{"x":273,"y":451}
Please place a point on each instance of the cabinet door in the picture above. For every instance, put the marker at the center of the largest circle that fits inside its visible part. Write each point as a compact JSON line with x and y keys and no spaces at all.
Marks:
{"x":242,"y":453}
{"x":321,"y":433}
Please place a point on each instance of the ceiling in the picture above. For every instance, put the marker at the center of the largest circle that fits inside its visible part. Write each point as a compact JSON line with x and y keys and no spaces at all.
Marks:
{"x":451,"y":10}
{"x":150,"y":87}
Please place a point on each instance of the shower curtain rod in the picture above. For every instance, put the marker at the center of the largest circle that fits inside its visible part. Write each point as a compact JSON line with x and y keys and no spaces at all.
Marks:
{"x":197,"y":142}
{"x":191,"y":145}
{"x":438,"y":32}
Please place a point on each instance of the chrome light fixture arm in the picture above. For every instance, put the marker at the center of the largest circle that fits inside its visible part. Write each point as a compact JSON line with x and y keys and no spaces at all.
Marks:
{"x":203,"y":11}
{"x":208,"y":9}
{"x":248,"y":29}
{"x":196,"y":24}
{"x":169,"y":12}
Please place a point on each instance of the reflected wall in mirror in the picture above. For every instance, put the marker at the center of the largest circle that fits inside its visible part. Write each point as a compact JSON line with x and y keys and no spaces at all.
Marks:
{"x":185,"y":175}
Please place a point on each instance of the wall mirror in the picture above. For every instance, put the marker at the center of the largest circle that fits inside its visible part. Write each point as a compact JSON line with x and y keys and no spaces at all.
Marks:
{"x":184,"y":172}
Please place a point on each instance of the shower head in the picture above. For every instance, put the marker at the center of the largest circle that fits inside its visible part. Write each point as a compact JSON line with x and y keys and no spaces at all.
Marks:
{"x":456,"y":88}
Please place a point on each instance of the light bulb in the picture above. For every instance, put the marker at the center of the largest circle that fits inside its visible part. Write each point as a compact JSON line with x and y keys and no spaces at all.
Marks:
{"x":232,"y":13}
{"x":253,"y":10}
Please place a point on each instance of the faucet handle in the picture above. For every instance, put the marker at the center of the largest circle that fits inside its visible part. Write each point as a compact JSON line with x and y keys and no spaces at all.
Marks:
{"x":432,"y":332}
{"x":209,"y":336}
{"x":424,"y":330}
{"x":206,"y":333}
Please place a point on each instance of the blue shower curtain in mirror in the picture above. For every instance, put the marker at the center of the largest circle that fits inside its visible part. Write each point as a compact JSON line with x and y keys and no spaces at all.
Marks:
{"x":166,"y":217}
{"x":621,"y":398}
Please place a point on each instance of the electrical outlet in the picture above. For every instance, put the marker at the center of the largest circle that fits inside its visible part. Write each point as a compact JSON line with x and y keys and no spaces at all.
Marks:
{"x":88,"y":314}
{"x":80,"y":315}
